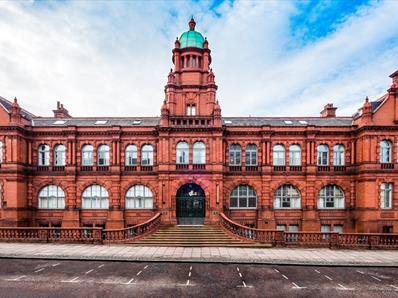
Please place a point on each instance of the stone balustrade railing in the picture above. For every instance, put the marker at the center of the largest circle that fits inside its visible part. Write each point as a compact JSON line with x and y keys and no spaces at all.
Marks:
{"x":134,"y":232}
{"x":309,"y":239}
{"x":80,"y":235}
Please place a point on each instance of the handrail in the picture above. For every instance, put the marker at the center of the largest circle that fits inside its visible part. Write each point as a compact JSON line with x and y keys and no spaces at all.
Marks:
{"x":248,"y":234}
{"x":134,"y":232}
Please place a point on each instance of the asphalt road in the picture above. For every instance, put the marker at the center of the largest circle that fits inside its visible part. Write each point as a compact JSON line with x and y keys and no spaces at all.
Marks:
{"x":51,"y":278}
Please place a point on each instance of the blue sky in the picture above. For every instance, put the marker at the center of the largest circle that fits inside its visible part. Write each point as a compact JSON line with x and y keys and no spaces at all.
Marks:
{"x":112,"y":58}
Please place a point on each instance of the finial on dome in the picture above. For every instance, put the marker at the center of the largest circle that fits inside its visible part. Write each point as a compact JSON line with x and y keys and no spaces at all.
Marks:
{"x":192,"y":24}
{"x":367,"y":99}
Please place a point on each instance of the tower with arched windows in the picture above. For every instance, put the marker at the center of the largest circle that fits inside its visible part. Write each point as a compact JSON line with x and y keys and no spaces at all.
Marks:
{"x":191,"y":164}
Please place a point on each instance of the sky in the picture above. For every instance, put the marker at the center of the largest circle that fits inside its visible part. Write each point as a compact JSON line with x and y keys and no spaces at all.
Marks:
{"x":270,"y":58}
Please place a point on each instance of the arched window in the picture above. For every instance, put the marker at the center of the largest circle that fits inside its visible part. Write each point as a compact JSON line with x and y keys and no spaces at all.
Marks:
{"x":147,"y":155}
{"x":386,"y":195}
{"x":338,"y":155}
{"x":243,"y":196}
{"x":235,"y":153}
{"x":199,"y":153}
{"x":182,"y":153}
{"x":44,"y":155}
{"x":251,"y":155}
{"x":279,"y":155}
{"x":1,"y":152}
{"x":87,"y":155}
{"x":331,"y":196}
{"x":294,"y":155}
{"x":131,"y":155}
{"x":95,"y":197}
{"x":103,"y":155}
{"x":59,"y":155}
{"x":287,"y":196}
{"x":385,"y":152}
{"x":51,"y":197}
{"x":323,"y":155}
{"x":139,"y":196}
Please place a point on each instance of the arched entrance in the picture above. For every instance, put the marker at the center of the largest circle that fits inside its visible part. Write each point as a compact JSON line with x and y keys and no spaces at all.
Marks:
{"x":190,"y":205}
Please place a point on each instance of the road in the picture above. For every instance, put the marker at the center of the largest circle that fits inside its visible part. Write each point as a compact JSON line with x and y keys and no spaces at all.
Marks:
{"x":51,"y":278}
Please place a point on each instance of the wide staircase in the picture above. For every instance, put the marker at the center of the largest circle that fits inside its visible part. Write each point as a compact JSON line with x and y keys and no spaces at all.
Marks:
{"x":193,"y":236}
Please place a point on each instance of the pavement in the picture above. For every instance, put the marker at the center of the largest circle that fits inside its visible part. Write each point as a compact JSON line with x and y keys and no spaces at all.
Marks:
{"x":280,"y":256}
{"x":65,"y":278}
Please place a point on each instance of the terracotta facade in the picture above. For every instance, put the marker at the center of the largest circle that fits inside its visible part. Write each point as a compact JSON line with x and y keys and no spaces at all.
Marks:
{"x":191,"y":113}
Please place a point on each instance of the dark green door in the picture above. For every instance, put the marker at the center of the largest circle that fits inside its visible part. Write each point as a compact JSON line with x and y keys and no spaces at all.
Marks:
{"x":190,"y":205}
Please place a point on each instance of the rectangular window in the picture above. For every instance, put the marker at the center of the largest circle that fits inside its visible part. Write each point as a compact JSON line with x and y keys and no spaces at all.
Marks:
{"x":293,"y":228}
{"x":325,"y":228}
{"x":281,"y":227}
{"x":386,"y":195}
{"x":338,"y":228}
{"x":87,"y":158}
{"x":323,"y":159}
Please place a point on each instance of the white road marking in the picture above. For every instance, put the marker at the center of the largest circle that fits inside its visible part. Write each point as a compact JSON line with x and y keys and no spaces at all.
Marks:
{"x":130,"y":281}
{"x":55,"y":265}
{"x":237,"y":268}
{"x":276,"y":270}
{"x":244,"y":284}
{"x":16,"y":279}
{"x":395,"y":287}
{"x":190,"y":268}
{"x":317,"y":271}
{"x":189,"y":274}
{"x":38,"y":270}
{"x":188,"y":282}
{"x":284,"y":276}
{"x":344,"y":288}
{"x":328,"y":277}
{"x":72,"y":280}
{"x":147,"y":267}
{"x":139,"y":272}
{"x":374,"y":277}
{"x":360,"y":272}
{"x":240,"y":274}
{"x":89,"y":271}
{"x":297,"y":287}
{"x":102,"y":265}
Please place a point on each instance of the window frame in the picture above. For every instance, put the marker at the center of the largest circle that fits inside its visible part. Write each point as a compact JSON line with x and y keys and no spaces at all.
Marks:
{"x":235,"y":155}
{"x":140,"y":194}
{"x":103,"y":155}
{"x":251,"y":155}
{"x":322,"y":155}
{"x":102,"y":198}
{"x":385,"y":151}
{"x":292,"y":158}
{"x":87,"y":158}
{"x":338,"y":155}
{"x":327,"y":195}
{"x":182,"y":153}
{"x":236,"y":193}
{"x":59,"y":155}
{"x":284,"y":195}
{"x":147,"y":155}
{"x":43,"y":155}
{"x":131,"y":155}
{"x":199,"y":153}
{"x":386,"y":195}
{"x":278,"y":155}
{"x":52,"y":193}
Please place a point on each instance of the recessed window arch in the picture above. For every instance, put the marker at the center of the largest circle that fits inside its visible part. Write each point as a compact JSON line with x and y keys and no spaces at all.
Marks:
{"x":295,"y":155}
{"x":279,"y":155}
{"x":338,"y":155}
{"x":103,"y":155}
{"x":251,"y":155}
{"x":147,"y":155}
{"x":199,"y":153}
{"x":131,"y":155}
{"x":51,"y":197}
{"x":44,"y":155}
{"x":323,"y":155}
{"x":182,"y":153}
{"x":287,"y":196}
{"x":87,"y":155}
{"x":243,"y":196}
{"x":95,"y":197}
{"x":235,"y":154}
{"x":385,"y":151}
{"x":59,"y":155}
{"x":139,"y":197}
{"x":331,"y":196}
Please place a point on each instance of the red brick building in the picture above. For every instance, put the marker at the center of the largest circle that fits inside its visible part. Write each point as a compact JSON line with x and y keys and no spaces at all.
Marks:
{"x":307,"y":173}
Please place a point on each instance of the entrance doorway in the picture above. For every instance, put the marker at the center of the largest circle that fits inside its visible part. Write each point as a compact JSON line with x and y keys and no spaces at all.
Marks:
{"x":190,"y":205}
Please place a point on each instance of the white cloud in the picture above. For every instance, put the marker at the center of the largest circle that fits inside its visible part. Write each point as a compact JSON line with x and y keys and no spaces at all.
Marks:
{"x":112,"y":58}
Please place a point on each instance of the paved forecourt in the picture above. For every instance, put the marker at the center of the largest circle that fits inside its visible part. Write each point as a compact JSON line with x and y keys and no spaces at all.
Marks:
{"x":298,"y":256}
{"x":55,"y":278}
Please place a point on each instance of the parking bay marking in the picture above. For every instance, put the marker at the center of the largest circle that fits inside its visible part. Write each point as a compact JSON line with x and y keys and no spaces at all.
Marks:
{"x":75,"y":279}
{"x":16,"y":279}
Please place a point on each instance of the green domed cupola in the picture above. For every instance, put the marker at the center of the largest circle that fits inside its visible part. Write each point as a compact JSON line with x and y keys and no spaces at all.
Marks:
{"x":191,"y":38}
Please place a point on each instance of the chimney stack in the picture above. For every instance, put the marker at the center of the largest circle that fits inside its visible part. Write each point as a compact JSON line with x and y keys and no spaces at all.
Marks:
{"x":61,"y":112}
{"x":329,"y":111}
